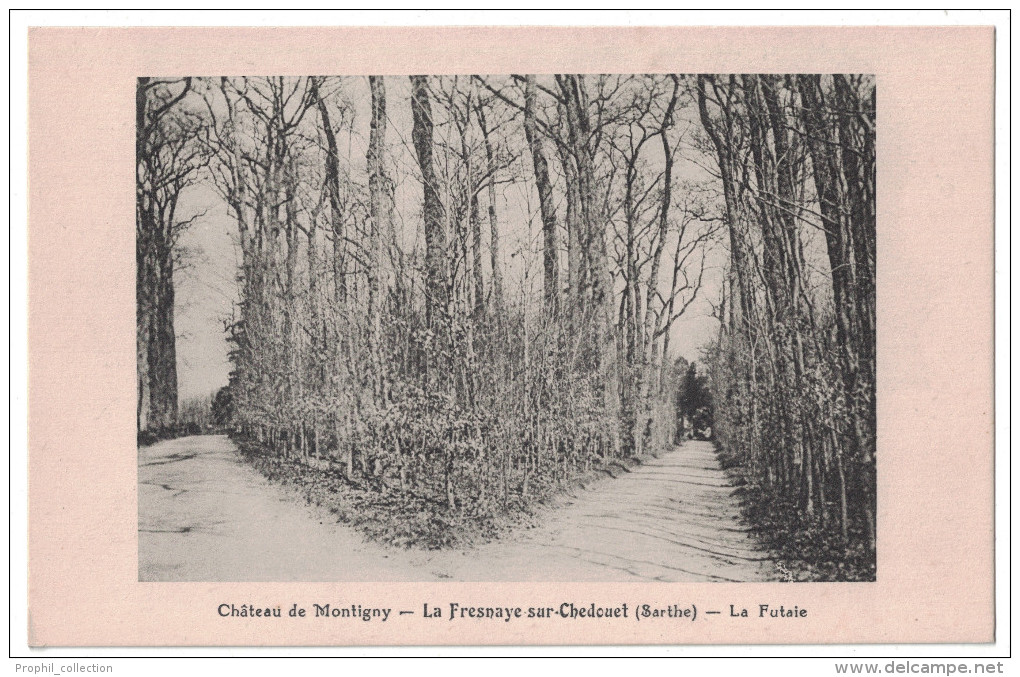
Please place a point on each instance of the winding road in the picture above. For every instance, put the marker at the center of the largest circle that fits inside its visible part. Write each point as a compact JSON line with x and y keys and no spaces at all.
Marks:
{"x":204,"y":515}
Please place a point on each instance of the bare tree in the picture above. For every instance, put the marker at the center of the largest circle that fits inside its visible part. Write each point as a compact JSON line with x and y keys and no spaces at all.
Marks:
{"x":549,"y":229}
{"x":168,"y":161}
{"x":437,"y":298}
{"x":381,"y":212}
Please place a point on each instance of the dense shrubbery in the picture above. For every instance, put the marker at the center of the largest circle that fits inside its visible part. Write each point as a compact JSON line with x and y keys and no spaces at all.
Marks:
{"x":461,"y":441}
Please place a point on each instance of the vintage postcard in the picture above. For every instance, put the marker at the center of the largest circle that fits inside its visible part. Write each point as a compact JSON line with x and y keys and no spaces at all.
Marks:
{"x":431,"y":336}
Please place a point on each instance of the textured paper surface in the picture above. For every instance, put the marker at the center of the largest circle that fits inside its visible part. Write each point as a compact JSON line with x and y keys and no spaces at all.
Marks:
{"x":935,"y":354}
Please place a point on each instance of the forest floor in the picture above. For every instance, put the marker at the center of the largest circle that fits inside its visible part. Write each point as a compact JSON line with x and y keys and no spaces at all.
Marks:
{"x":206,"y":515}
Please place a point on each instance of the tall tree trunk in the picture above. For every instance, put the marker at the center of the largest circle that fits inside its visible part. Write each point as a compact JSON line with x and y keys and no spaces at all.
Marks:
{"x":476,"y":254}
{"x":292,"y":330}
{"x":144,"y":226}
{"x":738,"y":246}
{"x":317,"y":333}
{"x":575,"y":301}
{"x":436,"y":275}
{"x":335,"y":201}
{"x":162,"y":350}
{"x":548,"y":211}
{"x":381,"y":209}
{"x":494,"y":255}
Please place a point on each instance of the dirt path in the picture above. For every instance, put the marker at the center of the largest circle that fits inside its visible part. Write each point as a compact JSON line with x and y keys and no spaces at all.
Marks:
{"x":206,"y":516}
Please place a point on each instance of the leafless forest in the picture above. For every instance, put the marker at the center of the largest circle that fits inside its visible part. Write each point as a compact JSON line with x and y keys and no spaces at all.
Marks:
{"x":459,"y":295}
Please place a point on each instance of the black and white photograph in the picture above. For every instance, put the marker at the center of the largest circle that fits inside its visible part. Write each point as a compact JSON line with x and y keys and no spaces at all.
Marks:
{"x":564,"y":327}
{"x":508,"y":333}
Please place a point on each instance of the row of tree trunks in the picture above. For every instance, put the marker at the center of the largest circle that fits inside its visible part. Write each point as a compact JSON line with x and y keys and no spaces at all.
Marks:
{"x":437,"y":300}
{"x":841,"y":142}
{"x":773,"y":136}
{"x":381,"y":202}
{"x":594,"y":230}
{"x":550,"y":251}
{"x":495,"y":260}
